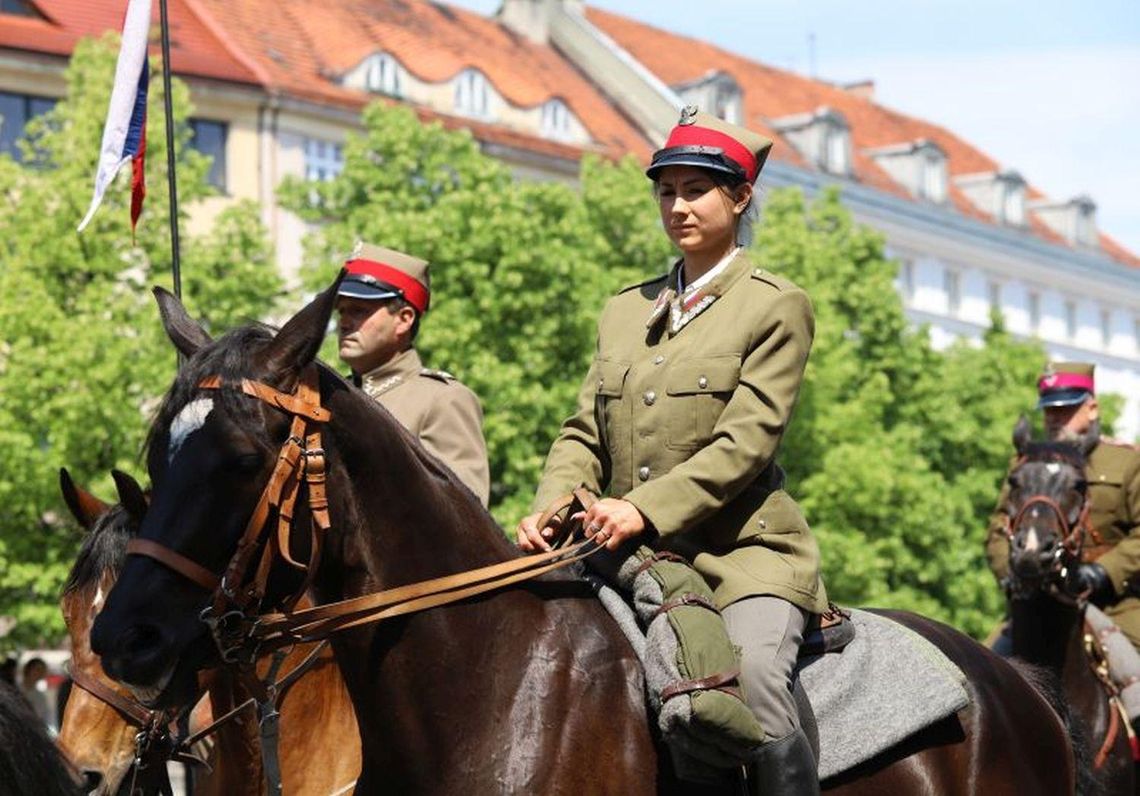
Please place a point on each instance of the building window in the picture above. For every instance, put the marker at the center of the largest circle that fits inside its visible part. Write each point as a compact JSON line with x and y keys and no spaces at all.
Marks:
{"x":1013,"y":205}
{"x":17,"y":8}
{"x":835,"y":157}
{"x":471,"y":94}
{"x":906,"y":274}
{"x":556,"y":119}
{"x":1106,"y":328}
{"x":952,"y":284}
{"x":993,"y":290}
{"x":324,"y":160}
{"x":382,"y":75}
{"x":934,"y":179}
{"x":209,"y":138}
{"x":1034,"y":301}
{"x":1071,"y":319}
{"x":16,"y":110}
{"x":727,"y":105}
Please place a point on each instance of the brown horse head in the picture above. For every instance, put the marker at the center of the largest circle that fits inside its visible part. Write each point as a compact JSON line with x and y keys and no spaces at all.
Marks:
{"x":98,"y":740}
{"x":1047,"y":496}
{"x":208,"y":453}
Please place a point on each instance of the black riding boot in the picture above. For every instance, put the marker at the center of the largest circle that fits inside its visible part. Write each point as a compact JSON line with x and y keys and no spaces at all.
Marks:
{"x":784,"y":768}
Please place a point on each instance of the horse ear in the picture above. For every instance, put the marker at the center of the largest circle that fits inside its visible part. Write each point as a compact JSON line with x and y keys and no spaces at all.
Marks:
{"x":185,"y":332}
{"x":299,"y":340}
{"x":131,"y":495}
{"x":1022,"y":434}
{"x":85,"y":507}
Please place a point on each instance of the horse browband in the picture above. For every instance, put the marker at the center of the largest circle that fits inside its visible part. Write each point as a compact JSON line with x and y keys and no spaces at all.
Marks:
{"x":301,"y":457}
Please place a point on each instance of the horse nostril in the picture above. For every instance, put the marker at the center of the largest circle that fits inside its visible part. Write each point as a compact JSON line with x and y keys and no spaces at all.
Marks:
{"x":92,"y":780}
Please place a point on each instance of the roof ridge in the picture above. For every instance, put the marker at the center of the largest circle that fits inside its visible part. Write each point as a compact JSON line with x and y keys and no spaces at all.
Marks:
{"x":218,"y":32}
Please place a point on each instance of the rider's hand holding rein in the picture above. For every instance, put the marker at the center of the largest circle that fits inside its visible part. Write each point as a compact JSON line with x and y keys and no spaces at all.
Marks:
{"x":614,"y":521}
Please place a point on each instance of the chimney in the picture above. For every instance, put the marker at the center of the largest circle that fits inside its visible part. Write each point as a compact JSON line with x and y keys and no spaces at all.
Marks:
{"x":863,"y":89}
{"x":531,"y":18}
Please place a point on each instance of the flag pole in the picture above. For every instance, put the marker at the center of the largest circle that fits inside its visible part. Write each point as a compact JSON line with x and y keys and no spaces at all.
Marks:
{"x":171,"y":177}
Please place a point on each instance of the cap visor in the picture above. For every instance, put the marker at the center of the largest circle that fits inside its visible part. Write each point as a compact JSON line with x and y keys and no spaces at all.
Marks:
{"x":1063,"y":398}
{"x":710,"y":162}
{"x":351,"y":288}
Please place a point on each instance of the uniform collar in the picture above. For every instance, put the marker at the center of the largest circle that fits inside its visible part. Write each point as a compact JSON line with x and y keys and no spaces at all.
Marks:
{"x":681,"y":307}
{"x":393,"y":372}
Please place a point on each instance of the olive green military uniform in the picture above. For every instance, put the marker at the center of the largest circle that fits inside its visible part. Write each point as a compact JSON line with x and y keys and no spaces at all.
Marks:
{"x":684,"y":423}
{"x":1113,"y":474}
{"x":443,"y":413}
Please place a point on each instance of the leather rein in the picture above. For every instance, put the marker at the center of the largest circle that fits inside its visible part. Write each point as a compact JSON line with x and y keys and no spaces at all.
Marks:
{"x":241,"y":633}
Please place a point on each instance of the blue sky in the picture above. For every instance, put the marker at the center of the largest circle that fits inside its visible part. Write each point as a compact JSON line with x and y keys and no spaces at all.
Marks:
{"x":1047,"y":87}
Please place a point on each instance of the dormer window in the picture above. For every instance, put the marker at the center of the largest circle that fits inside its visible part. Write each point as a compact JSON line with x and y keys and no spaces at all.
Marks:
{"x":382,"y":75}
{"x":1074,"y":220}
{"x":919,"y":166}
{"x":555,"y":120}
{"x":823,"y":137}
{"x":717,"y":93}
{"x":1001,"y":194}
{"x":472,"y":94}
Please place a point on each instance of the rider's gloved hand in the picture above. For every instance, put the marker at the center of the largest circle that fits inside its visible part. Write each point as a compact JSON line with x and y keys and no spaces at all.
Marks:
{"x":1093,"y":579}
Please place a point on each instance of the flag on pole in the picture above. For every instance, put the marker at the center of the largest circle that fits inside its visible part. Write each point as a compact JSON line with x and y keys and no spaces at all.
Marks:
{"x":124,"y":134}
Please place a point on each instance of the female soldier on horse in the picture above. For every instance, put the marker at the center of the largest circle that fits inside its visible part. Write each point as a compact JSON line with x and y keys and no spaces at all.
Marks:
{"x":679,"y":420}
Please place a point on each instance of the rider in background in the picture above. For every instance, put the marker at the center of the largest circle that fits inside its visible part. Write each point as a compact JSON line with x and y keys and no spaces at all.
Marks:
{"x":1111,"y":568}
{"x":680,"y":417}
{"x":381,"y":301}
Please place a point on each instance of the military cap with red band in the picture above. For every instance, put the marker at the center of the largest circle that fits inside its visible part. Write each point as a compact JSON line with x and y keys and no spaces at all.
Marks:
{"x":702,"y":140}
{"x":377,"y":273}
{"x":1065,"y":384}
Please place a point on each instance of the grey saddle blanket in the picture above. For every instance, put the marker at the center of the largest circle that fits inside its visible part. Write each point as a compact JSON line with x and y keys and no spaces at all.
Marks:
{"x":886,"y":685}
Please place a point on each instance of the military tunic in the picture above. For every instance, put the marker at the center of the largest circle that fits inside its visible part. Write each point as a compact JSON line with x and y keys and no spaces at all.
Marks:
{"x":443,"y":413}
{"x":685,"y":424}
{"x":1113,"y":475}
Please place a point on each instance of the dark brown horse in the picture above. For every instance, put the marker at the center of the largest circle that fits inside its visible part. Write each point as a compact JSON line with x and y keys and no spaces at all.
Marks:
{"x":1048,"y":496}
{"x":318,"y":723}
{"x":531,"y":689}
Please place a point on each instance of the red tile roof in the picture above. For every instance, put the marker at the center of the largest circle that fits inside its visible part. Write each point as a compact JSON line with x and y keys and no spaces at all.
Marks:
{"x":770,"y":94}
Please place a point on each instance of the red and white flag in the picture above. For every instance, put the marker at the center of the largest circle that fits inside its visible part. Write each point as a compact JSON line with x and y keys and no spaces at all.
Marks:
{"x":124,"y":135}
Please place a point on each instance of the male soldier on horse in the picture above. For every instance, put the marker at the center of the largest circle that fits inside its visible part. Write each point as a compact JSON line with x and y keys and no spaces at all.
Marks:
{"x":1110,"y":572}
{"x":382,"y":299}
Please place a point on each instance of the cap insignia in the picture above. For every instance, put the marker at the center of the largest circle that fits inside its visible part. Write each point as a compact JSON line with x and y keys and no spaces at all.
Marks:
{"x":1049,"y":380}
{"x":688,"y":115}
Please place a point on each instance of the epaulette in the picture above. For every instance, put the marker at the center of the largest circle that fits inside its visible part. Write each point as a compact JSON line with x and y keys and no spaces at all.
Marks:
{"x":778,"y":282}
{"x":1119,"y":443}
{"x":441,"y":375}
{"x":647,"y":282}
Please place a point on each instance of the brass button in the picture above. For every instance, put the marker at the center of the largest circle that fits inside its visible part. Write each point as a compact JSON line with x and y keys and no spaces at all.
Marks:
{"x":601,"y":383}
{"x":643,"y":473}
{"x":650,"y":398}
{"x":657,"y":360}
{"x":702,"y":382}
{"x":763,"y":523}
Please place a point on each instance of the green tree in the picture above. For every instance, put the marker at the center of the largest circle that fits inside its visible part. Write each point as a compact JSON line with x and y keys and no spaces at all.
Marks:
{"x":83,"y":357}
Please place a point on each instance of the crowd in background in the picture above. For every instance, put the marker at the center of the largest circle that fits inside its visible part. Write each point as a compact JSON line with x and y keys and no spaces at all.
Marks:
{"x":45,"y":691}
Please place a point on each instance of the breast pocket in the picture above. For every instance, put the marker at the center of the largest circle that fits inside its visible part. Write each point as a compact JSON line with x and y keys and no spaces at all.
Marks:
{"x":607,"y":401}
{"x":698,"y":390}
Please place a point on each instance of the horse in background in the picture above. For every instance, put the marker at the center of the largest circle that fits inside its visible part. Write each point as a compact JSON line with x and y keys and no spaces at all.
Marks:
{"x":530,"y":689}
{"x":319,"y":746}
{"x":30,"y":763}
{"x":1048,"y":523}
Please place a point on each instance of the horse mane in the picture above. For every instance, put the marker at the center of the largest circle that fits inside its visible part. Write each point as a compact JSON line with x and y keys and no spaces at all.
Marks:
{"x":104,"y":550}
{"x":1048,"y":685}
{"x":30,"y":763}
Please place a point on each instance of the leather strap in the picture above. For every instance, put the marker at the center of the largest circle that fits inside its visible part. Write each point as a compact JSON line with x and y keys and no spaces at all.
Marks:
{"x":686,"y":599}
{"x":130,"y":709}
{"x":293,"y":404}
{"x":174,"y":560}
{"x":720,"y":682}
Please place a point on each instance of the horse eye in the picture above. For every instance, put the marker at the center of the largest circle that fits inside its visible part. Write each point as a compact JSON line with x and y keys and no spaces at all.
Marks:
{"x":246,"y":462}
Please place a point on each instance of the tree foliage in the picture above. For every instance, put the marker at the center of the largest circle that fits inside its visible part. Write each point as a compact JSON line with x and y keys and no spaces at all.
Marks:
{"x":83,"y":357}
{"x":896,"y":450}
